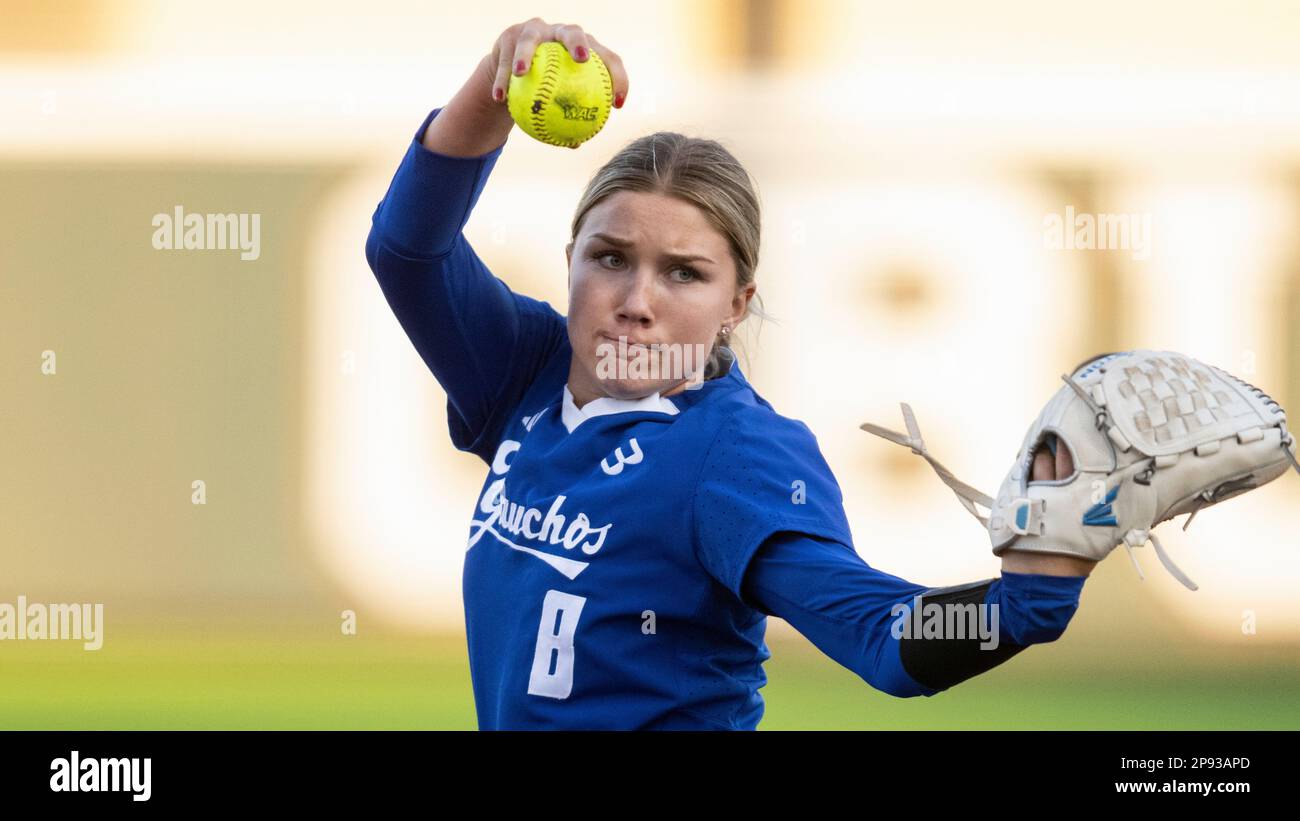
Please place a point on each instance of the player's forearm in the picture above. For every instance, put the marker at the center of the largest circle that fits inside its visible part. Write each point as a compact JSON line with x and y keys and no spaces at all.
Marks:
{"x":465,"y":322}
{"x":882,"y":627}
{"x":472,"y":124}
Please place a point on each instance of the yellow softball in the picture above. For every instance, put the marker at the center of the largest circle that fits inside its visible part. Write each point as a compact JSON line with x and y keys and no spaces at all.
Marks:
{"x":561,"y":101}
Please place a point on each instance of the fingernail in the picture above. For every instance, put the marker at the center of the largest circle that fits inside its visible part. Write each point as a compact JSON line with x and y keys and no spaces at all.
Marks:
{"x":582,"y":53}
{"x":520,"y":67}
{"x":498,"y":94}
{"x":618,"y":101}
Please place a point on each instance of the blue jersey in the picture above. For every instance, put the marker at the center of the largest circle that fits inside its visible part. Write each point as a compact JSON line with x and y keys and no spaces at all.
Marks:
{"x":622,"y":557}
{"x":603,"y":576}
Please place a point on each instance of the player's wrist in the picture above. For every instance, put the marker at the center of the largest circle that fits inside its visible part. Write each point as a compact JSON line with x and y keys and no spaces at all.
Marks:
{"x":1045,"y":564}
{"x":470,"y":125}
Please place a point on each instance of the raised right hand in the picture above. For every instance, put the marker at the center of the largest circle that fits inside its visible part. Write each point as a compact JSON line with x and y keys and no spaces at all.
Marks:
{"x":477,"y":120}
{"x":513,"y":53}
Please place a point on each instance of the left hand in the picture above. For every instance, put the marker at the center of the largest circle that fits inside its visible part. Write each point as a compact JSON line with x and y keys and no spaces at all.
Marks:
{"x":1047,"y":466}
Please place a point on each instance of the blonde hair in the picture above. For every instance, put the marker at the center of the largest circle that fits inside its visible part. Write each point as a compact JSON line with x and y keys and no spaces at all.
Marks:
{"x":701,"y":172}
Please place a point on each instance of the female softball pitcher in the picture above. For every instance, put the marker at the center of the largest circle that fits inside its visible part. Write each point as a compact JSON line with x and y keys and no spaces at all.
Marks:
{"x":633,"y":534}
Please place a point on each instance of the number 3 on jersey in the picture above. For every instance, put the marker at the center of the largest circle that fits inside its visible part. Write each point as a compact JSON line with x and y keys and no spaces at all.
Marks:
{"x":552,"y":674}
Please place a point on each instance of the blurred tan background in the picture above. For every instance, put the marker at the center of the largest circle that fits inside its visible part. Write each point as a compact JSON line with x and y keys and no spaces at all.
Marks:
{"x":907,"y":157}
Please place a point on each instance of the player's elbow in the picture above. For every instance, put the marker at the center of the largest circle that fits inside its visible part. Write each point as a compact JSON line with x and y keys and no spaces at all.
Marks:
{"x":887,"y":673}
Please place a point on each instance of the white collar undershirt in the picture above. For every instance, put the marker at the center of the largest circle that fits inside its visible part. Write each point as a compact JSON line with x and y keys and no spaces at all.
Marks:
{"x":572,"y":415}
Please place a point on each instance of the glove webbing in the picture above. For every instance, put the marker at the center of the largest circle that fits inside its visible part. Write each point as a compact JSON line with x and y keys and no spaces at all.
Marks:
{"x":967,"y":495}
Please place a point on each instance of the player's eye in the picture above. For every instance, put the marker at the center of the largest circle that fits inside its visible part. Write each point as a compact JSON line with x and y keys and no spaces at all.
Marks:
{"x":601,"y":256}
{"x":614,"y":259}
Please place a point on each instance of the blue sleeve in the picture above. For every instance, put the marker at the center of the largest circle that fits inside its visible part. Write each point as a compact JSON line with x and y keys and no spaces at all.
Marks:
{"x":845,"y":607}
{"x":763,"y":474}
{"x":1034,"y":608}
{"x":484,"y":343}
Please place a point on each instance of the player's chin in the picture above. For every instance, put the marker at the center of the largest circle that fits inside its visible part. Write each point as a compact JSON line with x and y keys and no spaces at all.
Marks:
{"x":633,"y":389}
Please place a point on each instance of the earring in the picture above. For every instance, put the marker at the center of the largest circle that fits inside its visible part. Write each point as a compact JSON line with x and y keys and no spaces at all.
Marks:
{"x":725,"y":331}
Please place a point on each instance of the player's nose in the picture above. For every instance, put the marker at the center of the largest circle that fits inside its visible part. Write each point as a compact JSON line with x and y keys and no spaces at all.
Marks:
{"x":637,"y":298}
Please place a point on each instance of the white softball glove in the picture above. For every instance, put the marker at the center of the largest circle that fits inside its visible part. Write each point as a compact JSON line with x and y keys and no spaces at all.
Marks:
{"x":1151,"y":434}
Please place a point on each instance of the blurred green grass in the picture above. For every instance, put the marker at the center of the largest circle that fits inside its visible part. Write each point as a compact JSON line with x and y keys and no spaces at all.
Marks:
{"x":289,"y":679}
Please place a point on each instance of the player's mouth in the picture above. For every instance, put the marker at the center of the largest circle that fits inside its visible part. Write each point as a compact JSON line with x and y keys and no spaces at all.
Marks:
{"x":630,"y":343}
